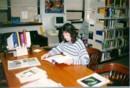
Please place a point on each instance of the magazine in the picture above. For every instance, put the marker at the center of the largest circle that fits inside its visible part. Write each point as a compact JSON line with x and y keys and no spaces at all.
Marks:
{"x":31,"y":74}
{"x":93,"y":80}
{"x":21,"y":63}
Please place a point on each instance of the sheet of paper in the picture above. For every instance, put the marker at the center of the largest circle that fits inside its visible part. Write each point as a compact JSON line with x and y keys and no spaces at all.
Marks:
{"x":43,"y":82}
{"x":21,"y":63}
{"x":24,"y":14}
{"x":36,"y":50}
{"x":93,"y":80}
{"x":31,"y":74}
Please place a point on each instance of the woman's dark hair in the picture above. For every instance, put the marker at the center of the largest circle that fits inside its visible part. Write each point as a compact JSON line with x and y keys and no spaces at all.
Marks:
{"x":70,"y":29}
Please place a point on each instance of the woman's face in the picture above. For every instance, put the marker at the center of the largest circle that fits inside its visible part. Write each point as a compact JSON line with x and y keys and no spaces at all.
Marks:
{"x":67,"y":36}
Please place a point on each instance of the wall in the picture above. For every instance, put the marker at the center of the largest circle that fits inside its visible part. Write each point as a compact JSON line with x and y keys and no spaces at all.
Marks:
{"x":46,"y":20}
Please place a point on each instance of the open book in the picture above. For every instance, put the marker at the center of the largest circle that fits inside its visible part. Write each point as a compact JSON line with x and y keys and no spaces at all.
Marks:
{"x":93,"y":80}
{"x":58,"y":59}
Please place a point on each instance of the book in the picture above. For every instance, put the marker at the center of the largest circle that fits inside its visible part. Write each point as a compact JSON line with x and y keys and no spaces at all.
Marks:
{"x":10,"y":42}
{"x":102,"y":11}
{"x":24,"y":35}
{"x":28,"y":39}
{"x":15,"y":40}
{"x":22,"y":39}
{"x":18,"y":37}
{"x":58,"y":59}
{"x":93,"y":80}
{"x":31,"y":74}
{"x":21,"y":63}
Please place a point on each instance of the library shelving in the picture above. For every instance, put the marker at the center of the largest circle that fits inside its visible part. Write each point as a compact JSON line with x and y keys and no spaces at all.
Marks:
{"x":111,"y":29}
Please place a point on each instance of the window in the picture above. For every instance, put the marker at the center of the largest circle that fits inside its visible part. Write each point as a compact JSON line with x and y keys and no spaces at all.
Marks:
{"x":24,"y":11}
{"x":75,"y":10}
{"x":3,"y":11}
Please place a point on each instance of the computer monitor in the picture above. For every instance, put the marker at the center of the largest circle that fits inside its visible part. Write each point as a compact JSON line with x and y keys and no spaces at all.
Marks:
{"x":59,"y":21}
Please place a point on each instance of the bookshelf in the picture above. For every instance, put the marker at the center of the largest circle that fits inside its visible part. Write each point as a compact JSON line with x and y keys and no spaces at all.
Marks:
{"x":111,"y":29}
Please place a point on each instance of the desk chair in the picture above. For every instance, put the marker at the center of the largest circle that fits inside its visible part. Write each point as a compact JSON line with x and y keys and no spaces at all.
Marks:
{"x":3,"y":82}
{"x":117,"y":73}
{"x":95,"y":58}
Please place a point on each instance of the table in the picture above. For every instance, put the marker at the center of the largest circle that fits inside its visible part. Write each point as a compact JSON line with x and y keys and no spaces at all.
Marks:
{"x":67,"y":75}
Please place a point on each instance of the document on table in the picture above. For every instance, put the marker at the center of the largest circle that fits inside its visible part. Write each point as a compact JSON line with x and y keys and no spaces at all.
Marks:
{"x":43,"y":82}
{"x":31,"y":74}
{"x":93,"y":80}
{"x":21,"y":63}
{"x":37,"y":50}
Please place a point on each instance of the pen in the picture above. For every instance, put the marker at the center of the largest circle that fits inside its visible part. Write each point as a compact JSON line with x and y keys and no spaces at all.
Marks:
{"x":53,"y":61}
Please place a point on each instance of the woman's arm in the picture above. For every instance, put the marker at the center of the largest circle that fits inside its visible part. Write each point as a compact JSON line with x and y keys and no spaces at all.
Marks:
{"x":83,"y":58}
{"x":56,"y":50}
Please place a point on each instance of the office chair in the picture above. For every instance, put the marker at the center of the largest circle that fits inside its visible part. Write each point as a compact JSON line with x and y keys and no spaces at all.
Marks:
{"x":3,"y":82}
{"x":95,"y":58}
{"x":117,"y":73}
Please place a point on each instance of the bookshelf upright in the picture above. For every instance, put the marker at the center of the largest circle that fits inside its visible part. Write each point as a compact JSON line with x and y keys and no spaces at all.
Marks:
{"x":111,"y":29}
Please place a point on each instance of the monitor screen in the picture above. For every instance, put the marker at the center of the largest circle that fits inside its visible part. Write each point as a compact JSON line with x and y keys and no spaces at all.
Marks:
{"x":59,"y":20}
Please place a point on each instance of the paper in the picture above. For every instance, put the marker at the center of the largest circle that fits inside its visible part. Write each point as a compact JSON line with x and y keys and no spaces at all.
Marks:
{"x":43,"y":82}
{"x":27,"y":62}
{"x":20,"y":51}
{"x":36,"y":50}
{"x":24,"y":14}
{"x":58,"y":59}
{"x":93,"y":80}
{"x":31,"y":74}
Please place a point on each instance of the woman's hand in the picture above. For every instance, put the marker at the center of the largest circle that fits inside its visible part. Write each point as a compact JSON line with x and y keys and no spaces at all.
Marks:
{"x":69,"y":62}
{"x":45,"y":56}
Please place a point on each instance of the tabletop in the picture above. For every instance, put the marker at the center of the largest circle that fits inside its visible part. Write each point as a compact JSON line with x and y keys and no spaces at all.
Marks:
{"x":67,"y":75}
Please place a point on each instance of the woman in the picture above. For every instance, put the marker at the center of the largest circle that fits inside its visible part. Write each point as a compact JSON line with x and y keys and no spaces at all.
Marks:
{"x":71,"y":46}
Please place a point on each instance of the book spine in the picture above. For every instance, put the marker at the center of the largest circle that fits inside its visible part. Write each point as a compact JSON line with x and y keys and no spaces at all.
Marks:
{"x":19,"y":44}
{"x":24,"y":35}
{"x":22,"y":39}
{"x":28,"y":39}
{"x":15,"y":40}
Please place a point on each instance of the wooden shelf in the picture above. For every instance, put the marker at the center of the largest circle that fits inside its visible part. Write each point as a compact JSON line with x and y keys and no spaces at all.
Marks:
{"x":20,"y":24}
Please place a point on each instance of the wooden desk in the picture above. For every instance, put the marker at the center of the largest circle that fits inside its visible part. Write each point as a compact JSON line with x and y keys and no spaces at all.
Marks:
{"x":67,"y":75}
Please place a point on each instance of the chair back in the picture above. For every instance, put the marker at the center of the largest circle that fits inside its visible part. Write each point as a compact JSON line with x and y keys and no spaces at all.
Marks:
{"x":95,"y":58}
{"x":117,"y":73}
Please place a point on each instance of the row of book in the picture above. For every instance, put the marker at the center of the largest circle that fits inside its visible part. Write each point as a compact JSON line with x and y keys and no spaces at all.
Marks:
{"x":116,"y":34}
{"x":114,"y":53}
{"x":115,"y":23}
{"x":120,"y":3}
{"x":113,"y":13}
{"x":106,"y":34}
{"x":19,"y":39}
{"x":112,"y":44}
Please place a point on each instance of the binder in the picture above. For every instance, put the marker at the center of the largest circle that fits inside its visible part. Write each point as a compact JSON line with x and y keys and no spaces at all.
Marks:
{"x":15,"y":40}
{"x":22,"y":39}
{"x":28,"y":39}
{"x":18,"y":37}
